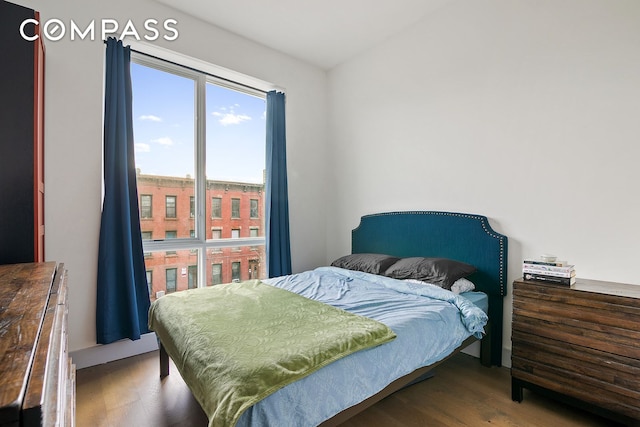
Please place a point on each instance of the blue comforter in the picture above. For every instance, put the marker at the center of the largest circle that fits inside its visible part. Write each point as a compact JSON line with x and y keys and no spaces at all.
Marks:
{"x":429,"y":323}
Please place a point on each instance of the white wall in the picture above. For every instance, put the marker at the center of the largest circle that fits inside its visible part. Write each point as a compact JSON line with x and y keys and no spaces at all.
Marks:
{"x":73,"y":135}
{"x":524,"y":111}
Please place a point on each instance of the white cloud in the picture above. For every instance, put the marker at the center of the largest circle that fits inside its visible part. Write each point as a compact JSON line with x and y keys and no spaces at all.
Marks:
{"x":151,"y":118}
{"x":231,"y":118}
{"x":141,"y":147}
{"x":165,"y":140}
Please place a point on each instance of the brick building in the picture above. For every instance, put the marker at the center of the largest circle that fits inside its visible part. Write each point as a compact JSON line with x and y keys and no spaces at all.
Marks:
{"x":167,"y":211}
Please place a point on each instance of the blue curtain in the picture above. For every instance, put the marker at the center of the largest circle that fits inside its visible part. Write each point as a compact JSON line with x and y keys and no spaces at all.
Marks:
{"x":277,"y":199}
{"x":122,"y":297}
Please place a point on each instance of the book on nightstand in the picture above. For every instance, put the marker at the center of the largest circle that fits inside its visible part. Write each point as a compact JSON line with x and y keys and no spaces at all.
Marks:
{"x":549,"y":263}
{"x":550,"y":279}
{"x":550,"y":271}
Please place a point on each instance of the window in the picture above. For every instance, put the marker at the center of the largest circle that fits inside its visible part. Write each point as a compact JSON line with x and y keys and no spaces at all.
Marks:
{"x":193,"y":132}
{"x":216,"y":274}
{"x":146,"y":235}
{"x":145,"y":206}
{"x":170,"y":234}
{"x":253,"y":232}
{"x":216,"y":207}
{"x":150,"y":280}
{"x":171,"y":279}
{"x":254,"y":268}
{"x":170,"y":207}
{"x":193,"y":277}
{"x":235,"y":271}
{"x":235,"y":208}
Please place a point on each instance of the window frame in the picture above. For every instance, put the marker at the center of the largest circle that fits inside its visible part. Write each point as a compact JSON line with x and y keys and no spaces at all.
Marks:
{"x":197,"y":71}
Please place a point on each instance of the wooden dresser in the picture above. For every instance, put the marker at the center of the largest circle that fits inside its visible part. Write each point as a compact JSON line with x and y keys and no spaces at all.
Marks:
{"x":37,"y":379}
{"x":581,"y":344}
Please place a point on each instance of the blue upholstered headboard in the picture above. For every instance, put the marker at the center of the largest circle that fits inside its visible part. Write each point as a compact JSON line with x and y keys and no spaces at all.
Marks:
{"x":464,"y":237}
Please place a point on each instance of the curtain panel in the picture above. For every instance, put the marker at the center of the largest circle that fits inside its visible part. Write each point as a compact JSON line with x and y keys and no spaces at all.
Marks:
{"x":276,"y":192}
{"x":122,"y":295}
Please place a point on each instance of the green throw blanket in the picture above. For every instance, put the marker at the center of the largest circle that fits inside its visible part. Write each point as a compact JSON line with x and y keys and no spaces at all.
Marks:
{"x":236,"y":344}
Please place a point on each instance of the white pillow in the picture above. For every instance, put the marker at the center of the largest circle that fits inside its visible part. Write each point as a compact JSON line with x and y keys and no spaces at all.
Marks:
{"x":462,"y":285}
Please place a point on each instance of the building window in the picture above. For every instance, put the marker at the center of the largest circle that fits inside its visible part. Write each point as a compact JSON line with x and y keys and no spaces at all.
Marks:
{"x":235,"y":208}
{"x":171,"y":206}
{"x":146,"y":235}
{"x":235,"y":271}
{"x":253,"y":232}
{"x":216,"y":234}
{"x":170,"y":234}
{"x":193,"y":277}
{"x":216,"y":274}
{"x":145,"y":206}
{"x":202,"y":162}
{"x":216,"y":207}
{"x":172,"y":279}
{"x":150,"y":281}
{"x":254,"y":269}
{"x":192,"y":234}
{"x":235,"y":233}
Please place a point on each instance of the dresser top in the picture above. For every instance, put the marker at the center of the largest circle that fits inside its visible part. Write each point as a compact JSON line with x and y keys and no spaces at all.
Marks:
{"x":24,"y":294}
{"x":597,"y":286}
{"x":609,"y":288}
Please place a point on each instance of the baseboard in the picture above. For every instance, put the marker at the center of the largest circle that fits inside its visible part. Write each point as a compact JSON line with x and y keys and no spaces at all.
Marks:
{"x":506,"y":357}
{"x":118,"y":350}
{"x":474,"y":350}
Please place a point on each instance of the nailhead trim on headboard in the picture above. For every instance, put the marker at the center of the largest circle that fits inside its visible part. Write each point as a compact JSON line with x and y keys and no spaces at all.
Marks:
{"x":484,"y":222}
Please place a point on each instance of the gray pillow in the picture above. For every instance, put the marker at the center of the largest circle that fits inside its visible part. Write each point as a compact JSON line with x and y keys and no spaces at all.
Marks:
{"x":368,"y":263}
{"x":442,"y":272}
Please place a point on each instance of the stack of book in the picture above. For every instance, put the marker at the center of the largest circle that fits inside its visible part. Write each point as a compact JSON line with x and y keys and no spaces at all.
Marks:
{"x":559,"y":272}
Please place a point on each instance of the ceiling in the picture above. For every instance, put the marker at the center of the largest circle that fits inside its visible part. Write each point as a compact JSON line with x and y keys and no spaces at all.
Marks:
{"x":324,"y":33}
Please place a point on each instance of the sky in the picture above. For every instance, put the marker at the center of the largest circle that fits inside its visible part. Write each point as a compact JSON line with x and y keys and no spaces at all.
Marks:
{"x":164,"y":128}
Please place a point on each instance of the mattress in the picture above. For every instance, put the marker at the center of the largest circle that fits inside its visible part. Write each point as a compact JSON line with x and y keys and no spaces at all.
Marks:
{"x":480,"y":299}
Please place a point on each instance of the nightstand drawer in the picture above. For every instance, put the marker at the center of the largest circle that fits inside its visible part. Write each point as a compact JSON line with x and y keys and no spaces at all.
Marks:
{"x":586,"y":334}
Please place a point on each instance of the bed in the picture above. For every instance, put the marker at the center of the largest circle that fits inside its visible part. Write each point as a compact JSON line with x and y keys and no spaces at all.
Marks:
{"x":348,"y":383}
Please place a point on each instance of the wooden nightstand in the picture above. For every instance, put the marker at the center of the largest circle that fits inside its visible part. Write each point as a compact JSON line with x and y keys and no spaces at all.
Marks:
{"x":579,"y":343}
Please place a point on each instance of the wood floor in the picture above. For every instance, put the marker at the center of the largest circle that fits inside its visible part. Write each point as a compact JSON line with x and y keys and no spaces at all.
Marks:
{"x":129,"y":392}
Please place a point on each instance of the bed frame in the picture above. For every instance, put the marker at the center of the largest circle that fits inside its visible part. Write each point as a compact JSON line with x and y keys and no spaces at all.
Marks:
{"x":464,"y":237}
